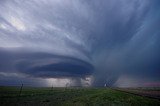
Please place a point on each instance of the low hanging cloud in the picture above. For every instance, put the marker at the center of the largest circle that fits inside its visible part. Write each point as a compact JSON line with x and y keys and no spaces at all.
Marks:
{"x":38,"y":64}
{"x":77,"y":39}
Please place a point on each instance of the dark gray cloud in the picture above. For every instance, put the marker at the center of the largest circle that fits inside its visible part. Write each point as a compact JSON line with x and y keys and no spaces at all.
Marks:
{"x":76,"y":39}
{"x":39,"y":64}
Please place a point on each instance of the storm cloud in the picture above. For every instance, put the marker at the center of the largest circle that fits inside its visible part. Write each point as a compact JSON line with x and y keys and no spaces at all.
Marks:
{"x":100,"y":42}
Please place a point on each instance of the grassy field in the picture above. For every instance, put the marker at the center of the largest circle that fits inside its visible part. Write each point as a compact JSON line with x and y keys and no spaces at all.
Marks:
{"x":148,"y":92}
{"x":10,"y":96}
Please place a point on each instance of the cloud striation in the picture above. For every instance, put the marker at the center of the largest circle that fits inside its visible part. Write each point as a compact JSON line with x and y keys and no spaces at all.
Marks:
{"x":80,"y":42}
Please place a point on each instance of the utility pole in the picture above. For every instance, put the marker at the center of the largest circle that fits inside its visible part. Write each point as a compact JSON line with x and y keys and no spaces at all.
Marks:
{"x":21,"y":89}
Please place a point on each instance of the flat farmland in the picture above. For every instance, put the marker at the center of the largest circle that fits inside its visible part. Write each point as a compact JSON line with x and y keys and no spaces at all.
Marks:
{"x":147,"y":92}
{"x":30,"y":96}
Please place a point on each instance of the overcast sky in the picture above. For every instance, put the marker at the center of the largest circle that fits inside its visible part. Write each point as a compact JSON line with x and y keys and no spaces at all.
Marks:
{"x":80,"y":42}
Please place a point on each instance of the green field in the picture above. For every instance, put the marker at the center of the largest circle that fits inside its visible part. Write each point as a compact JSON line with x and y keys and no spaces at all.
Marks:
{"x":10,"y":96}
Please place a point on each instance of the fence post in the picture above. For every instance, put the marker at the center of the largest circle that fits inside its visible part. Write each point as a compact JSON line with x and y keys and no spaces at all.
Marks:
{"x":52,"y":88}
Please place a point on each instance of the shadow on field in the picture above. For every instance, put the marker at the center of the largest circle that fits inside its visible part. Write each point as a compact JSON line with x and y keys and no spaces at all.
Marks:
{"x":29,"y":96}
